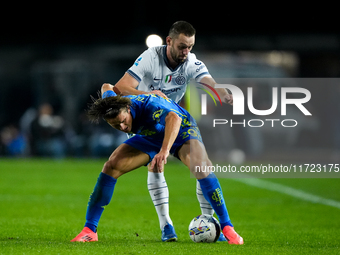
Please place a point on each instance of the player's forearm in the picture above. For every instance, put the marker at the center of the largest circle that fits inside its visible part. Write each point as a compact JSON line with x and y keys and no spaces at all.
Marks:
{"x":127,"y":85}
{"x":211,"y":82}
{"x":172,"y":126}
{"x":127,"y":90}
{"x":222,"y":92}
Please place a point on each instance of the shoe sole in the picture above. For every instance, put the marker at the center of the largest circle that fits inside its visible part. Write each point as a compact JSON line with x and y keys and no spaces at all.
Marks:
{"x":173,"y":239}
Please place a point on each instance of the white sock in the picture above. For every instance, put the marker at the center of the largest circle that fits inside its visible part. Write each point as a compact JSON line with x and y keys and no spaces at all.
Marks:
{"x":159,"y":193}
{"x":204,"y":204}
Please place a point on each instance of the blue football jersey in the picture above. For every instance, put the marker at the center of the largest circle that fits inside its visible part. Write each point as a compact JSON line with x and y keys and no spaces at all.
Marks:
{"x":149,"y":112}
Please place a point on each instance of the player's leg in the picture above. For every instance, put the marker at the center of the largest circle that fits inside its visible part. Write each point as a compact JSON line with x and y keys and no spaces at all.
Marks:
{"x":204,"y":204}
{"x":193,"y":154}
{"x":124,"y":159}
{"x":157,"y":186}
{"x":159,"y":194}
{"x":206,"y":207}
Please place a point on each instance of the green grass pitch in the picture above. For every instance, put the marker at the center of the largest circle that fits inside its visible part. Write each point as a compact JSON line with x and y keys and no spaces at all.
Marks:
{"x":43,"y":205}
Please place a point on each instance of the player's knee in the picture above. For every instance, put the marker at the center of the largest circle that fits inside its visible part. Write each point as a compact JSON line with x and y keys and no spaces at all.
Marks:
{"x":108,"y":167}
{"x":200,"y":167}
{"x":200,"y":161}
{"x":111,"y":167}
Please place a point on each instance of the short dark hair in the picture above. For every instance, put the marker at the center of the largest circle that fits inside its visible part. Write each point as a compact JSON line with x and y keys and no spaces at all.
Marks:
{"x":107,"y":108}
{"x":181,"y":27}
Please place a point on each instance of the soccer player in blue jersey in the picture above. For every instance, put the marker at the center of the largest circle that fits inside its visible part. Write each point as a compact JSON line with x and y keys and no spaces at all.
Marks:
{"x":166,"y":71}
{"x":162,"y":127}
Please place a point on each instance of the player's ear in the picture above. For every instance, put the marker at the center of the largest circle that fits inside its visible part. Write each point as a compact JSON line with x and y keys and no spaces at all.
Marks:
{"x":168,"y":40}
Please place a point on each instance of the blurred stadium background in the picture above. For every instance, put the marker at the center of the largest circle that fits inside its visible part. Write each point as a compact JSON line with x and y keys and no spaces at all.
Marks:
{"x":50,"y":69}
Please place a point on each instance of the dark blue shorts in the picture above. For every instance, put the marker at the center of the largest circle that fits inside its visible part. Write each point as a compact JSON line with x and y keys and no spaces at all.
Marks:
{"x":152,"y":146}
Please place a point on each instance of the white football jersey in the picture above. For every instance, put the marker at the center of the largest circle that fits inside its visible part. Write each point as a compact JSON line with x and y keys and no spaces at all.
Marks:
{"x":153,"y":72}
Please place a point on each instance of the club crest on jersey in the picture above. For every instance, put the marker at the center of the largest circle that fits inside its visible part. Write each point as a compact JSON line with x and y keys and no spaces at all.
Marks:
{"x":156,"y":115}
{"x":180,"y":80}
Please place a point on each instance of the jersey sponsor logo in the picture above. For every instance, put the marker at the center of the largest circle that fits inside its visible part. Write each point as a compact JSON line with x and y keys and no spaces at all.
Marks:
{"x":198,"y":63}
{"x":137,"y":61}
{"x":200,"y":68}
{"x":147,"y":132}
{"x":168,"y":91}
{"x":165,"y":91}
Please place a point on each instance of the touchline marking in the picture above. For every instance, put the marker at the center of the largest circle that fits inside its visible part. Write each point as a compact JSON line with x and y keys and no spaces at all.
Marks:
{"x":288,"y":191}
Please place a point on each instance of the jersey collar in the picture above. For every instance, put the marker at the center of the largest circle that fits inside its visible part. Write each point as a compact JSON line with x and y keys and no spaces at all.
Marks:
{"x":166,"y":60}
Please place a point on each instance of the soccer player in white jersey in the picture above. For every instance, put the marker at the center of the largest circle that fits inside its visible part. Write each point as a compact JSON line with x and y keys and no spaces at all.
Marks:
{"x":166,"y":71}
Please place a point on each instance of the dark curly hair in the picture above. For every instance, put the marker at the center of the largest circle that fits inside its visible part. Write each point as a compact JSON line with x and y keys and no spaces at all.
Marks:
{"x":107,"y":108}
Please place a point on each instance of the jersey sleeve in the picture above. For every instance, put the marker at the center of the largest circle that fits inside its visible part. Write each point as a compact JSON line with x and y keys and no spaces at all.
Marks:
{"x":142,"y":65}
{"x":198,"y":69}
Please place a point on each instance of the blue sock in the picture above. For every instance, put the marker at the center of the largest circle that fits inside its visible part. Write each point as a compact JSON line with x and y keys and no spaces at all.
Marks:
{"x":100,"y":197}
{"x":212,"y":192}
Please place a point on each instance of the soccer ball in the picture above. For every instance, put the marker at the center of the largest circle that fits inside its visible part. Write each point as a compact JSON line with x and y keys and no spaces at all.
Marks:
{"x":204,"y":229}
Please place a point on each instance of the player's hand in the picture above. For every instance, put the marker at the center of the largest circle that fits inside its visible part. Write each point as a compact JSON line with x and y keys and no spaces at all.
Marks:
{"x":158,"y":92}
{"x":228,"y":99}
{"x":158,"y":162}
